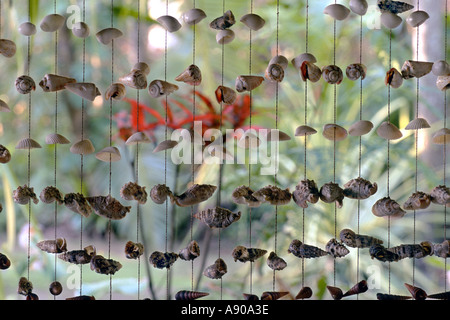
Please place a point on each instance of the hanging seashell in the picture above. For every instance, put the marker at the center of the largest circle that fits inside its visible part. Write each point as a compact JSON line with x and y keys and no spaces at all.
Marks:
{"x":356,"y":71}
{"x":382,"y":254}
{"x":440,"y":195}
{"x":225,"y":95}
{"x":101,"y":265}
{"x":336,"y":249}
{"x":243,"y":254}
{"x":53,"y":246}
{"x":304,"y":293}
{"x":52,"y":22}
{"x":191,"y":252}
{"x":332,"y":192}
{"x":55,"y":138}
{"x":440,"y":68}
{"x":360,"y":128}
{"x":28,"y":144}
{"x":280,"y":60}
{"x":50,"y":195}
{"x":162,"y":260}
{"x":440,"y":296}
{"x":301,"y":250}
{"x":442,"y":136}
{"x":53,"y":82}
{"x":417,"y":18}
{"x":277,"y":135}
{"x":274,"y":72}
{"x":415,"y":251}
{"x":106,"y":36}
{"x":217,"y":217}
{"x":303,"y":131}
{"x":441,"y":250}
{"x":87,"y":91}
{"x":336,"y":293}
{"x":192,"y":76}
{"x":81,"y":30}
{"x":169,"y":23}
{"x":224,"y":22}
{"x":109,"y":154}
{"x":7,"y":48}
{"x":196,"y":194}
{"x":393,"y":78}
{"x":143,"y":67}
{"x":306,"y":191}
{"x":115,"y":91}
{"x":275,"y":262}
{"x":417,"y":201}
{"x":273,"y":195}
{"x":5,"y":263}
{"x":81,"y":298}
{"x":416,"y":69}
{"x":334,"y":132}
{"x":83,"y":147}
{"x":353,"y":240}
{"x":165,"y":145}
{"x":386,"y":207}
{"x":443,"y":82}
{"x":248,"y":83}
{"x":108,"y":207}
{"x":250,"y":297}
{"x":360,"y":188}
{"x":298,"y":61}
{"x":55,"y":288}
{"x":389,"y":131}
{"x":25,"y":85}
{"x":359,"y":7}
{"x":416,"y":292}
{"x":5,"y":155}
{"x":217,"y":270}
{"x":193,"y":16}
{"x":138,"y":138}
{"x":25,"y":287}
{"x":390,"y":20}
{"x":135,"y":79}
{"x":159,"y":193}
{"x":244,"y":195}
{"x":309,"y":71}
{"x":332,"y":74}
{"x":4,"y":106}
{"x":132,"y":191}
{"x":23,"y":195}
{"x":133,"y":250}
{"x":77,"y":203}
{"x":189,"y":295}
{"x":79,"y":256}
{"x":358,"y":288}
{"x":159,"y":88}
{"x":225,"y":36}
{"x":253,"y":21}
{"x":383,"y":296}
{"x":393,"y":6}
{"x":337,"y":11}
{"x":27,"y":29}
{"x":271,"y":295}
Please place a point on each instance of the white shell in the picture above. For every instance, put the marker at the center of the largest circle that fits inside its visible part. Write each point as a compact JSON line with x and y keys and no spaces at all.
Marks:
{"x":165,"y":145}
{"x":359,"y":6}
{"x":106,"y":36}
{"x":109,"y":154}
{"x":417,"y":18}
{"x":360,"y":128}
{"x":27,"y":29}
{"x":389,"y":131}
{"x":169,"y":23}
{"x":394,"y":78}
{"x":4,"y":106}
{"x":298,"y":61}
{"x":303,"y":131}
{"x":443,"y":82}
{"x":418,"y":123}
{"x":159,"y":88}
{"x":143,"y":67}
{"x":253,"y":21}
{"x":225,"y":36}
{"x":81,"y":30}
{"x":417,"y":69}
{"x":85,"y":90}
{"x":442,"y":136}
{"x":115,"y":91}
{"x":135,"y":79}
{"x":337,"y":11}
{"x":28,"y":144}
{"x":248,"y":83}
{"x":390,"y":20}
{"x":7,"y":48}
{"x":138,"y":137}
{"x":53,"y":82}
{"x":441,"y":68}
{"x":193,"y":16}
{"x":83,"y":147}
{"x":54,"y":138}
{"x":334,"y":132}
{"x":52,"y":22}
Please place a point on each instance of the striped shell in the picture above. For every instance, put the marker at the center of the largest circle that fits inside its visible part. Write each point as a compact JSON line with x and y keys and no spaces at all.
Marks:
{"x":416,"y":251}
{"x":358,"y":288}
{"x":273,"y":295}
{"x":217,"y":217}
{"x":273,"y":195}
{"x":306,"y":191}
{"x":243,"y":254}
{"x":301,"y":250}
{"x":382,"y":254}
{"x":25,"y":84}
{"x":275,"y":262}
{"x":109,"y":154}
{"x":102,"y":265}
{"x":336,"y":249}
{"x":354,"y":240}
{"x":108,"y":207}
{"x":79,"y":256}
{"x":217,"y":270}
{"x":189,"y":295}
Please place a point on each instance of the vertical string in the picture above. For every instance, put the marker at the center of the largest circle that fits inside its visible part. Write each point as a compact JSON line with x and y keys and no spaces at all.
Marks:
{"x":388,"y":158}
{"x":334,"y":143}
{"x":165,"y":152}
{"x":194,"y":111}
{"x":56,"y":145}
{"x":110,"y":144}
{"x":29,"y":150}
{"x":445,"y":138}
{"x":138,"y":207}
{"x":250,"y":153}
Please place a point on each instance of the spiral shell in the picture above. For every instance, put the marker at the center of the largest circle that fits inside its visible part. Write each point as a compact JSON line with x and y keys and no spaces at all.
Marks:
{"x":196,"y":194}
{"x":275,"y":262}
{"x":416,"y":292}
{"x":53,"y":82}
{"x":274,"y":72}
{"x":53,"y":246}
{"x":336,"y":249}
{"x":217,"y":217}
{"x":192,"y":76}
{"x":243,"y":254}
{"x":441,"y":250}
{"x":360,"y":188}
{"x":416,"y":251}
{"x":353,"y":240}
{"x":225,"y":95}
{"x":7,"y":48}
{"x":50,"y":195}
{"x":309,"y":71}
{"x":5,"y":263}
{"x":101,"y":265}
{"x":163,"y":260}
{"x":394,"y":7}
{"x":394,"y":78}
{"x":191,"y":252}
{"x":358,"y":288}
{"x":387,"y":207}
{"x":25,"y":287}
{"x":273,"y":295}
{"x":440,"y":195}
{"x":301,"y":250}
{"x":332,"y":192}
{"x":244,"y":195}
{"x":28,"y":144}
{"x":115,"y":91}
{"x":132,"y":191}
{"x":79,"y":256}
{"x":250,"y":297}
{"x":224,"y":22}
{"x":417,"y":201}
{"x":332,"y":74}
{"x":135,"y":79}
{"x":217,"y":270}
{"x":336,"y":293}
{"x":77,"y":203}
{"x":23,"y":195}
{"x":382,"y":254}
{"x":306,"y":191}
{"x":5,"y":155}
{"x":418,"y":123}
{"x":416,"y":69}
{"x":273,"y":195}
{"x":189,"y":295}
{"x":133,"y":250}
{"x":248,"y":83}
{"x":356,"y":71}
{"x":304,"y":293}
{"x":108,"y":207}
{"x":25,"y":84}
{"x":159,"y":193}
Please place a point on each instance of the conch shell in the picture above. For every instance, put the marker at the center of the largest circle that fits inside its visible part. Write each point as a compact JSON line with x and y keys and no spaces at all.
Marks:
{"x":356,"y":71}
{"x":440,"y":195}
{"x":336,"y":249}
{"x":77,"y":203}
{"x":275,"y":262}
{"x":243,"y":254}
{"x":360,"y":188}
{"x":50,"y":195}
{"x":353,"y":240}
{"x":163,"y":260}
{"x":25,"y":84}
{"x":332,"y":74}
{"x":224,"y":22}
{"x":53,"y":246}
{"x":301,"y":250}
{"x":108,"y":207}
{"x":196,"y":194}
{"x":273,"y":195}
{"x":248,"y":83}
{"x":244,"y":195}
{"x":101,"y":265}
{"x":332,"y":192}
{"x":191,"y":252}
{"x":217,"y":270}
{"x":133,"y":250}
{"x":23,"y":195}
{"x":217,"y":217}
{"x":132,"y":191}
{"x":159,"y":193}
{"x":159,"y":88}
{"x":417,"y":201}
{"x":53,"y":82}
{"x":306,"y":191}
{"x":386,"y":207}
{"x":192,"y":76}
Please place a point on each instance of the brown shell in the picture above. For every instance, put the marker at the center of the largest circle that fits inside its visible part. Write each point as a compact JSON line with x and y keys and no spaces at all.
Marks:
{"x":217,"y":270}
{"x":101,"y":265}
{"x":417,"y":201}
{"x":189,"y":295}
{"x":356,"y":71}
{"x":440,"y":195}
{"x":393,"y":78}
{"x":133,"y":250}
{"x":134,"y":79}
{"x":387,"y":207}
{"x":387,"y":297}
{"x":25,"y":84}
{"x":332,"y":74}
{"x":225,"y":95}
{"x":159,"y":193}
{"x":404,"y":251}
{"x":217,"y":217}
{"x":55,"y":288}
{"x":194,"y":195}
{"x":273,"y":195}
{"x":416,"y":69}
{"x":224,"y":22}
{"x":358,"y":288}
{"x":191,"y":252}
{"x":25,"y":287}
{"x":440,"y":296}
{"x":275,"y":72}
{"x":416,"y":292}
{"x":5,"y":155}
{"x":275,"y":262}
{"x":192,"y":76}
{"x":79,"y":256}
{"x":53,"y":246}
{"x":360,"y":188}
{"x":309,"y":71}
{"x":273,"y":295}
{"x":382,"y":254}
{"x":306,"y":191}
{"x":108,"y":207}
{"x":244,"y":195}
{"x":81,"y":298}
{"x":353,"y":240}
{"x":77,"y":203}
{"x":332,"y":192}
{"x":304,"y":293}
{"x":336,"y":293}
{"x":336,"y":249}
{"x":50,"y":195}
{"x":248,"y":83}
{"x":5,"y":263}
{"x":132,"y":191}
{"x":301,"y":250}
{"x":23,"y":195}
{"x":163,"y":260}
{"x":250,"y":297}
{"x":243,"y":254}
{"x":441,"y":250}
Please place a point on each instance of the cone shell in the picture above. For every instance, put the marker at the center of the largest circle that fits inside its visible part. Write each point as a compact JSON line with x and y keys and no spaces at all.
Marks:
{"x":7,"y":48}
{"x":360,"y":128}
{"x":390,"y":20}
{"x":443,"y":82}
{"x":416,"y":251}
{"x":193,"y":16}
{"x":135,"y":79}
{"x":336,"y":249}
{"x":191,"y":252}
{"x":275,"y":262}
{"x":224,"y":22}
{"x":272,"y":295}
{"x":5,"y":263}
{"x":243,"y":254}
{"x":77,"y":203}
{"x":226,"y":95}
{"x":5,"y":155}
{"x":416,"y":292}
{"x":218,"y":217}
{"x":383,"y":296}
{"x":189,"y":295}
{"x":360,"y":188}
{"x":52,"y":22}
{"x":337,"y":11}
{"x":28,"y":144}
{"x":133,"y":250}
{"x":301,"y":250}
{"x":358,"y":288}
{"x":297,"y":62}
{"x":159,"y":88}
{"x":440,"y":296}
{"x":440,"y":195}
{"x":386,"y":207}
{"x":248,"y":83}
{"x":394,"y":78}
{"x":23,"y":195}
{"x":394,"y":6}
{"x":380,"y":253}
{"x":25,"y":84}
{"x":138,"y":137}
{"x":417,"y":18}
{"x":309,"y":71}
{"x":81,"y":30}
{"x":356,"y":71}
{"x":192,"y":76}
{"x":217,"y":270}
{"x":336,"y":293}
{"x":253,"y":21}
{"x":273,"y":195}
{"x":159,"y":193}
{"x":442,"y":136}
{"x":79,"y":256}
{"x":51,"y":194}
{"x":416,"y":69}
{"x":359,"y":7}
{"x":27,"y":29}
{"x":134,"y":192}
{"x":83,"y":147}
{"x":225,"y":36}
{"x":115,"y":91}
{"x":306,"y":191}
{"x":108,"y":207}
{"x":389,"y":131}
{"x":4,"y":106}
{"x":274,"y":72}
{"x":303,"y":131}
{"x":53,"y":246}
{"x":195,"y":194}
{"x":101,"y":265}
{"x":55,"y":138}
{"x":106,"y":36}
{"x":88,"y":91}
{"x":244,"y":195}
{"x":53,"y":82}
{"x":332,"y":192}
{"x":417,"y":201}
{"x":169,"y":23}
{"x":304,"y":293}
{"x":109,"y":154}
{"x":334,"y":132}
{"x":353,"y":240}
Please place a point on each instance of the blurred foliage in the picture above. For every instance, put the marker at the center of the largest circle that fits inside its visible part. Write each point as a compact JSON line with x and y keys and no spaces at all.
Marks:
{"x":320,"y":222}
